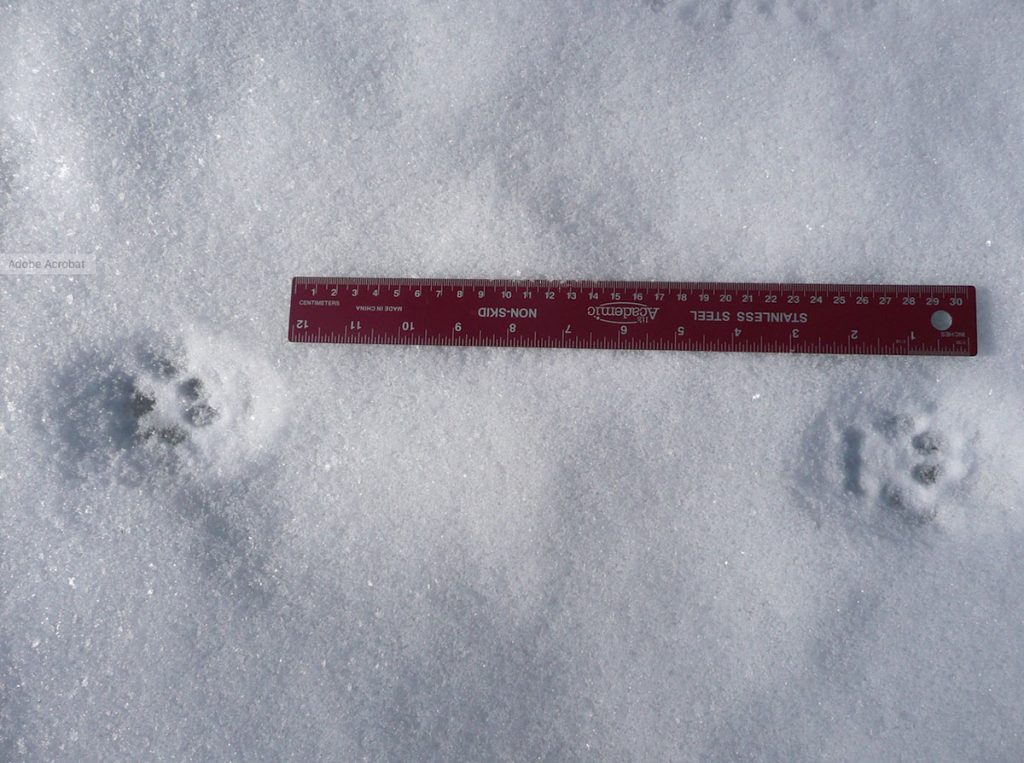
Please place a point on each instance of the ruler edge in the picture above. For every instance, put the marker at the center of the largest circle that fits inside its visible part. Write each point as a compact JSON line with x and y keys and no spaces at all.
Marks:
{"x":499,"y":282}
{"x":968,"y":289}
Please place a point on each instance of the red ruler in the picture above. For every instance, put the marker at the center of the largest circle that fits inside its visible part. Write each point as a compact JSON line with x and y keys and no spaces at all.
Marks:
{"x":865,"y":319}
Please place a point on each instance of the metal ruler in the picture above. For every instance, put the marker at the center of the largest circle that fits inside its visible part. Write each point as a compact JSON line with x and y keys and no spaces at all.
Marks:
{"x":867,"y":319}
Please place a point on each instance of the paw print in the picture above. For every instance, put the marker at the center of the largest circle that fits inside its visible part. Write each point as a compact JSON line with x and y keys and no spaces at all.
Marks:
{"x":904,"y":464}
{"x":165,"y":406}
{"x":168,"y":406}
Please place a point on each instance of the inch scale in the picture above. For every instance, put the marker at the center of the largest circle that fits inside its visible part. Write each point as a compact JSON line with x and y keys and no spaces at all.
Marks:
{"x":864,"y":319}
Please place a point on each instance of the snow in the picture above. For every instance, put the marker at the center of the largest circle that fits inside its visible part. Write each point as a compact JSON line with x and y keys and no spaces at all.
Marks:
{"x":216,"y":545}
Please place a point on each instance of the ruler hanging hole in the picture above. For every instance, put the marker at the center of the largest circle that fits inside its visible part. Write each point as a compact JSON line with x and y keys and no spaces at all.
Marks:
{"x":941,"y":320}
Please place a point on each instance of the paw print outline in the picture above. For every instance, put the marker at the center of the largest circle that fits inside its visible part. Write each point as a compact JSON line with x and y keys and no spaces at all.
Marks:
{"x":905,"y":463}
{"x":165,"y":407}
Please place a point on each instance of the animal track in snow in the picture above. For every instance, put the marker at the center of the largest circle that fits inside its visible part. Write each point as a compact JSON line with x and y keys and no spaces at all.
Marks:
{"x":166,"y":408}
{"x":172,"y":403}
{"x":905,"y":464}
{"x":189,"y":419}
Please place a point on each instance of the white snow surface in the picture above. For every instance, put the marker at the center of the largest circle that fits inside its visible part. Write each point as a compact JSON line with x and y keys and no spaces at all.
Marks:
{"x":215,"y":545}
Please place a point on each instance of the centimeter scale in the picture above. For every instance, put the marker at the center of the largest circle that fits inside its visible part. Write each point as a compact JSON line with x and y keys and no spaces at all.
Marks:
{"x":866,"y":319}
